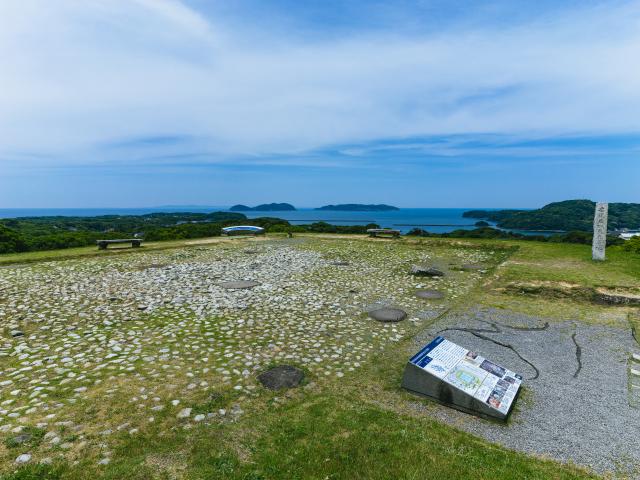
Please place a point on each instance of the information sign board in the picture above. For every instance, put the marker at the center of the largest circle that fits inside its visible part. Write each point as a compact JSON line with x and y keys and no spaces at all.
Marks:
{"x":462,"y":379}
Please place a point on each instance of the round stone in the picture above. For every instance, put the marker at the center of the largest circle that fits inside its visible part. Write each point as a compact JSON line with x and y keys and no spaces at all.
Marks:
{"x":20,"y":439}
{"x":388,"y":314}
{"x":282,"y":376}
{"x":429,"y":294}
{"x":24,"y":458}
{"x":240,"y":284}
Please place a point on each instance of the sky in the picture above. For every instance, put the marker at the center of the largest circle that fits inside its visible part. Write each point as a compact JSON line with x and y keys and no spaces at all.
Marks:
{"x":425,"y":103}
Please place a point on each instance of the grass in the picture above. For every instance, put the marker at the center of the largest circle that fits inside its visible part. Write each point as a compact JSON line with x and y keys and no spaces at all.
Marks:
{"x":92,"y":251}
{"x":557,"y":309}
{"x":571,"y":263}
{"x":362,"y":426}
{"x":323,"y":436}
{"x":332,"y":437}
{"x":558,"y":280}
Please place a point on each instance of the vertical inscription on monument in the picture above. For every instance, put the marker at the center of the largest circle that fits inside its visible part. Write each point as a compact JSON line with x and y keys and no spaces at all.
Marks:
{"x":600,"y":231}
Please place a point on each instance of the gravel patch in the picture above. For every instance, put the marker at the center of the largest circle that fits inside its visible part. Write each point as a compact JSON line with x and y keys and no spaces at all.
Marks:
{"x":576,"y":404}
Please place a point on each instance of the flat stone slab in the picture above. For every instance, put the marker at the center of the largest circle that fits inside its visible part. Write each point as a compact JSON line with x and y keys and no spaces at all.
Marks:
{"x":429,"y":294}
{"x":282,"y":376}
{"x":425,"y":271}
{"x":20,"y":439}
{"x":388,"y":314}
{"x":239,"y":285}
{"x":340,"y":263}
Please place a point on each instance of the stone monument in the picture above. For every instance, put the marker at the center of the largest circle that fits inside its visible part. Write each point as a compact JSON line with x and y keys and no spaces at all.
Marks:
{"x":600,"y":231}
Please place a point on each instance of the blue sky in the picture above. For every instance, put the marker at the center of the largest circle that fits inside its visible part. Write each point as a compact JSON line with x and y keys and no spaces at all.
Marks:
{"x":115,"y":103}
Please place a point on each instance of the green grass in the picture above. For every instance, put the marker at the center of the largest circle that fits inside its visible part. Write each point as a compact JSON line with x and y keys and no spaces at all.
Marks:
{"x":556,"y":262}
{"x":324,"y":436}
{"x":562,"y":262}
{"x":92,"y":251}
{"x":333,"y":437}
{"x":560,"y":281}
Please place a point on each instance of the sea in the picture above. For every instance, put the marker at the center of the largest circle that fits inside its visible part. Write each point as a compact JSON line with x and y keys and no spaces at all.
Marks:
{"x":434,"y":220}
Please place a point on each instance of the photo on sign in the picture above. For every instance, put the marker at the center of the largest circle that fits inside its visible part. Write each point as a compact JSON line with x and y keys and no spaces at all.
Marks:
{"x":491,"y":367}
{"x":503,"y":384}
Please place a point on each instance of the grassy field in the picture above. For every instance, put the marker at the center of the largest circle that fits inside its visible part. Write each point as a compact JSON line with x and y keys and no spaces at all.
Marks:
{"x":571,"y":263}
{"x":350,"y":419}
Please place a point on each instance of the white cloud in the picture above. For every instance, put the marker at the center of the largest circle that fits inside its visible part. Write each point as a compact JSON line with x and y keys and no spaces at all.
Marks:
{"x":76,"y":75}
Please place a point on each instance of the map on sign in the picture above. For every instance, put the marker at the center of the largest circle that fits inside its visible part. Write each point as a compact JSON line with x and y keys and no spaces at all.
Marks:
{"x":467,"y":371}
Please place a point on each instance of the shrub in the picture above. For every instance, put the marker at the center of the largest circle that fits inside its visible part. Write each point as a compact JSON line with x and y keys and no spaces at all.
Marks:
{"x":632,"y":245}
{"x":11,"y":241}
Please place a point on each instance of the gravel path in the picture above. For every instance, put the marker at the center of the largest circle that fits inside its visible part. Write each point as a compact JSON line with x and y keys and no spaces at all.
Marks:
{"x":576,"y":405}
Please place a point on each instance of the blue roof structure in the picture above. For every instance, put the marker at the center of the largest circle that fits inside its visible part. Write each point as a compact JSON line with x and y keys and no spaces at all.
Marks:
{"x":243,"y":228}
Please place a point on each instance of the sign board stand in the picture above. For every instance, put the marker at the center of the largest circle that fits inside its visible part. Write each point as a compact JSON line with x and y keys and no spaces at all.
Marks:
{"x":461,"y":379}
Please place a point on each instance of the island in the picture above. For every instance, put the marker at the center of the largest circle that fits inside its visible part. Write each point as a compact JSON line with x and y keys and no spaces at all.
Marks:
{"x":358,"y":207}
{"x":569,"y":215}
{"x":265,"y":207}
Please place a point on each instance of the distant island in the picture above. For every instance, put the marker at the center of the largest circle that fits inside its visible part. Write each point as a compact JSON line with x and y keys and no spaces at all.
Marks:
{"x":359,"y":207}
{"x":265,"y":207}
{"x":567,"y":215}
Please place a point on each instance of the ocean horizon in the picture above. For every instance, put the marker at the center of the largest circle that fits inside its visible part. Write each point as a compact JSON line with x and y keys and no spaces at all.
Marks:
{"x":434,"y":220}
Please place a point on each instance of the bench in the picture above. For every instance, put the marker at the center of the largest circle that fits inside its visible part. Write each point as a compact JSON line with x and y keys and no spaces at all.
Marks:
{"x":243,"y":230}
{"x":376,"y":232}
{"x":103,"y":244}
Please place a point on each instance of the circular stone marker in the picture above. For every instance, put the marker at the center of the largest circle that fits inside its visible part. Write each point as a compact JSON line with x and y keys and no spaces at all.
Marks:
{"x":388,"y":314}
{"x":282,"y":376}
{"x":429,"y":294}
{"x":240,"y":284}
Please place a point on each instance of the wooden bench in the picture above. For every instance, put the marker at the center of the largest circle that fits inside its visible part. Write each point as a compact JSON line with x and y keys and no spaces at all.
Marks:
{"x":376,"y":232}
{"x":103,"y":244}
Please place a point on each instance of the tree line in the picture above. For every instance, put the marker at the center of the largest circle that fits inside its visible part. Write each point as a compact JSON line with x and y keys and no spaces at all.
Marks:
{"x":30,"y":234}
